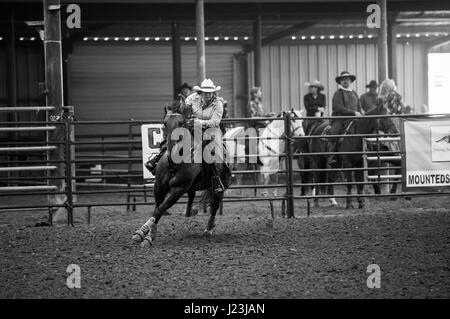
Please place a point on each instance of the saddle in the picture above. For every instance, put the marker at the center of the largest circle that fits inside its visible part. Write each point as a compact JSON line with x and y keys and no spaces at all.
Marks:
{"x":344,"y":132}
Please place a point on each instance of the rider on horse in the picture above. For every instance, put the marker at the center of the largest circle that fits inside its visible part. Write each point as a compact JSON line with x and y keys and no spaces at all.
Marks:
{"x":315,"y":103}
{"x":345,"y":103}
{"x":207,"y":112}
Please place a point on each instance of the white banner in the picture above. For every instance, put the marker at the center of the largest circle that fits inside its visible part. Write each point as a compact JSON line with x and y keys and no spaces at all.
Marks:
{"x":152,"y":136}
{"x":426,"y":144}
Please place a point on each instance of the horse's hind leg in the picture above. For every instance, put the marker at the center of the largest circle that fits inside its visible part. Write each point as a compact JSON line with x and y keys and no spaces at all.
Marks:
{"x":213,"y":210}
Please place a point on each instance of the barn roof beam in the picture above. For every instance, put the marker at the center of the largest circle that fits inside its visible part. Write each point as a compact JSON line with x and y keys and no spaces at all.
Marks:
{"x":285,"y":33}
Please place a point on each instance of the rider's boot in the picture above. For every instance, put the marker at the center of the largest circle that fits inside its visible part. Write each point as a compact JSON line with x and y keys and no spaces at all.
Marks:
{"x":154,"y":159}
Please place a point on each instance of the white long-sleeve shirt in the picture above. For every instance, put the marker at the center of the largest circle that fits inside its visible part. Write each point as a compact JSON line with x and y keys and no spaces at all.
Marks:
{"x":209,"y":116}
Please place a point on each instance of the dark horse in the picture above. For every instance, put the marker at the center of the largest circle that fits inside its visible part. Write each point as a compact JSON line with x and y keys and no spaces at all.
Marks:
{"x":173,"y":180}
{"x":347,"y":161}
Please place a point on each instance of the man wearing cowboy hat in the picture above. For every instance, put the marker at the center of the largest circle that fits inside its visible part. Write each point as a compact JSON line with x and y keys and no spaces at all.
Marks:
{"x":315,"y":103}
{"x":345,"y":103}
{"x":369,"y":99}
{"x":207,"y":111}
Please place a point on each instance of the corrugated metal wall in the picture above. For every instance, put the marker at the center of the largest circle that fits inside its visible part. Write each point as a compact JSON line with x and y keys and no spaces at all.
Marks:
{"x":286,"y":68}
{"x":122,"y":81}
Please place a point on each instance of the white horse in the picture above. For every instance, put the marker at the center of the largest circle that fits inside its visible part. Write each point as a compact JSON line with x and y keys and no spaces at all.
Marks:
{"x":267,"y":145}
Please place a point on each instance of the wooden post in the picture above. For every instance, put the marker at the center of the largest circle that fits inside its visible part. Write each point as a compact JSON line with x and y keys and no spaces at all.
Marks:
{"x":382,"y":44}
{"x":200,"y":27}
{"x":176,"y":58}
{"x":55,"y":95}
{"x":257,"y":45}
{"x":392,"y":48}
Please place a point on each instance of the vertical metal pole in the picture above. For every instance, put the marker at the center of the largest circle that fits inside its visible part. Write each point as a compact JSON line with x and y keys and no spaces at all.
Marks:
{"x":392,"y":48}
{"x":382,"y":44}
{"x":200,"y":27}
{"x":257,"y":47}
{"x":289,"y":179}
{"x":54,"y":86}
{"x":129,"y":165}
{"x":68,"y":157}
{"x":12,"y":85}
{"x":176,"y":58}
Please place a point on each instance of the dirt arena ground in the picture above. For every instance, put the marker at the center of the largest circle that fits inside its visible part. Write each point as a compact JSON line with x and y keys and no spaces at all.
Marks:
{"x":250,"y":255}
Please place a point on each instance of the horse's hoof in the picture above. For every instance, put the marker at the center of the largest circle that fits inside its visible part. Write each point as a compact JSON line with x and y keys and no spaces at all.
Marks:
{"x":208,"y":233}
{"x":361,"y":206}
{"x":137,"y":238}
{"x":147,"y":242}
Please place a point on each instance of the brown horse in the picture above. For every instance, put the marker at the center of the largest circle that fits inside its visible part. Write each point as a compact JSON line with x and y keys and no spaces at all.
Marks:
{"x":358,"y":126}
{"x":173,"y":180}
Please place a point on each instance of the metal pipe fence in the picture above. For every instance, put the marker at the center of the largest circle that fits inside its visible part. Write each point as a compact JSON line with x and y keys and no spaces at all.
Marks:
{"x":100,"y":167}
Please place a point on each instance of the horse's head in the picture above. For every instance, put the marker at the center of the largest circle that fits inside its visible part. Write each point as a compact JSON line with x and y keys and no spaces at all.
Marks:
{"x":384,"y":124}
{"x":175,"y":118}
{"x":296,"y":122}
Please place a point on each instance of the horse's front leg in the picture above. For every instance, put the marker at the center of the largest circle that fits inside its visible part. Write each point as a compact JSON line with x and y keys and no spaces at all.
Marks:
{"x":348,"y":179}
{"x":213,"y":210}
{"x":189,"y":211}
{"x":174,"y":195}
{"x":359,"y":176}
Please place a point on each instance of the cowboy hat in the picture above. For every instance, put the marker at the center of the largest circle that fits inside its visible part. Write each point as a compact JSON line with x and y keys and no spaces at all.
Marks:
{"x":371,"y":84}
{"x":316,"y":84}
{"x":345,"y":74}
{"x":207,"y":86}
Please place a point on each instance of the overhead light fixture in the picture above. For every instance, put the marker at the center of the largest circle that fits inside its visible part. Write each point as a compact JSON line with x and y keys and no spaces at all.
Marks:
{"x":369,"y":36}
{"x":116,"y":39}
{"x":167,"y":38}
{"x":216,"y":38}
{"x":313,"y":37}
{"x":350,"y":36}
{"x":331,"y":36}
{"x":245,"y":38}
{"x":186,"y":38}
{"x":417,"y":35}
{"x":235,"y":38}
{"x":398,"y":35}
{"x":360,"y":36}
{"x":136,"y":39}
{"x":293,"y":37}
{"x":206,"y":38}
{"x":95,"y":39}
{"x":147,"y":39}
{"x":21,"y":39}
{"x":85,"y":39}
{"x":303,"y":37}
{"x":427,"y":35}
{"x":127,"y":38}
{"x":341,"y":36}
{"x":226,"y":38}
{"x":32,"y":38}
{"x":106,"y":39}
{"x":408,"y":35}
{"x":322,"y":37}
